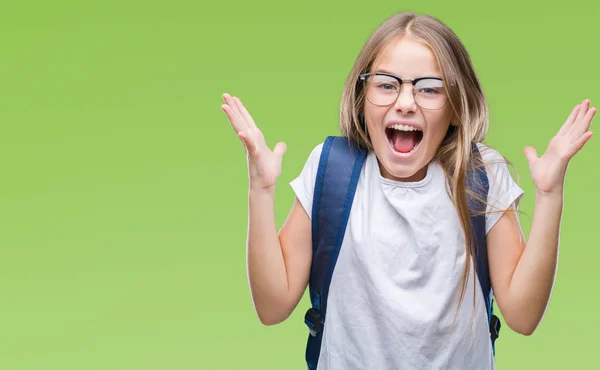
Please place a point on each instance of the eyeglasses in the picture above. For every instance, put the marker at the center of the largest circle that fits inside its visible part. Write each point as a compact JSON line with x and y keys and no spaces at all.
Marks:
{"x":383,"y":89}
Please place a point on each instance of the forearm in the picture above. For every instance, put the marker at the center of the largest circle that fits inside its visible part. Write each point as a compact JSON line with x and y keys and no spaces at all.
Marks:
{"x":266,"y":268}
{"x":533,"y":279}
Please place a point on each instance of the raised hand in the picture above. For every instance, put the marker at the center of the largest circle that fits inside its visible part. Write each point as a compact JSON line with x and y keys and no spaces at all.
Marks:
{"x":548,"y":171}
{"x":264,"y":164}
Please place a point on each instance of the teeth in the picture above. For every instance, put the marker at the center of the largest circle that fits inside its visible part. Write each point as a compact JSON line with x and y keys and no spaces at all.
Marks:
{"x":404,"y":128}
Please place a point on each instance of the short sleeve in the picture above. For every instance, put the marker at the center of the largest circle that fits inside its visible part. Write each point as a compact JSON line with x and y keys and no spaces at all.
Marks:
{"x":504,"y":192}
{"x":304,"y":184}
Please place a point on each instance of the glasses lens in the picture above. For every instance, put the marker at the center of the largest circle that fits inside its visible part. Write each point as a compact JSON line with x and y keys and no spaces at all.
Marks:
{"x":430,"y":94}
{"x":382,"y":90}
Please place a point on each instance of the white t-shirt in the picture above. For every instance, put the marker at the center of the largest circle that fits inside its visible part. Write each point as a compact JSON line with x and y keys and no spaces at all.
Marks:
{"x":394,"y":291}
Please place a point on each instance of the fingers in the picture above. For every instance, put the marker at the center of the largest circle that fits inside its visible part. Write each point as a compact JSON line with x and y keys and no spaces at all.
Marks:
{"x":585,"y":105}
{"x":237,"y":121}
{"x":240,"y":110}
{"x":530,"y":154}
{"x":589,"y":116}
{"x":238,"y":115}
{"x":579,"y":120}
{"x":231,"y":110}
{"x":582,"y":140}
{"x":244,"y":112}
{"x":584,"y":118}
{"x":244,"y":125}
{"x":570,"y":119}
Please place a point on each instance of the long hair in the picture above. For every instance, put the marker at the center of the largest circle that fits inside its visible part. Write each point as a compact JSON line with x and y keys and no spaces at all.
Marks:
{"x":465,"y":96}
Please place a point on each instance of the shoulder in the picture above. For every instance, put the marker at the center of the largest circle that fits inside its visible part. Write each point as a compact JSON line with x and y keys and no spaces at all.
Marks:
{"x":315,"y":153}
{"x":311,"y":165}
{"x":498,"y":167}
{"x":303,"y":184}
{"x":490,"y":156}
{"x":337,"y":144}
{"x":504,"y":191}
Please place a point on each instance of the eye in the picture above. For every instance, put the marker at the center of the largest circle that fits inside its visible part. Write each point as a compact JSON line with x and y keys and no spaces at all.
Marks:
{"x":385,"y":86}
{"x":429,"y":91}
{"x":429,"y":87}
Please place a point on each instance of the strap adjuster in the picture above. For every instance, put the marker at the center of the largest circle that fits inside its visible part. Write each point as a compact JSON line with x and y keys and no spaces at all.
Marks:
{"x":495,"y":327}
{"x":314,"y":320}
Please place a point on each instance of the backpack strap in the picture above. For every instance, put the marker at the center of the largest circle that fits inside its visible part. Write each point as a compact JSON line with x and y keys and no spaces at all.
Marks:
{"x":477,"y":182}
{"x":339,"y":169}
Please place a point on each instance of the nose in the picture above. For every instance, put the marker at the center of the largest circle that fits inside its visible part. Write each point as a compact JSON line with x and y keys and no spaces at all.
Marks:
{"x":406,"y":100}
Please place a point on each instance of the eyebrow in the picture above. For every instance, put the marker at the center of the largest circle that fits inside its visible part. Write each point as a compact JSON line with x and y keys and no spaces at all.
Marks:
{"x":393,"y":74}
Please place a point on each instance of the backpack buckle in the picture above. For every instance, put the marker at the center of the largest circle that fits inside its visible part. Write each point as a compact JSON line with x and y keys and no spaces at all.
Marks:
{"x":495,"y":327}
{"x":314,"y":320}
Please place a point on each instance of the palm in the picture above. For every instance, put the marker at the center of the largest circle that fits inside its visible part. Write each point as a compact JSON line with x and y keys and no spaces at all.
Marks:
{"x":264,"y":164}
{"x":548,"y":171}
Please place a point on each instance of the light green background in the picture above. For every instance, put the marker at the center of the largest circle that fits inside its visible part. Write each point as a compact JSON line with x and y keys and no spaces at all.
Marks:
{"x":123,"y":192}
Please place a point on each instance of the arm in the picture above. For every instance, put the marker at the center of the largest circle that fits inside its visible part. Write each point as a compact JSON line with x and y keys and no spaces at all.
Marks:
{"x":278,"y":265}
{"x":523,"y":273}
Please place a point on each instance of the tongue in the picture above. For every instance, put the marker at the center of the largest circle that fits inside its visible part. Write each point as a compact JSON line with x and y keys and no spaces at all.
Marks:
{"x":404,"y":141}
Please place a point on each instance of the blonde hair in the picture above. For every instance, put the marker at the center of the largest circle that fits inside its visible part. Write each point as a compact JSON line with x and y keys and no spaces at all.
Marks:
{"x":465,"y":95}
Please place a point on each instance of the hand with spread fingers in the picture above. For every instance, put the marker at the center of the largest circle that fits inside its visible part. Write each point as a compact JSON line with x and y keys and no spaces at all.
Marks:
{"x":548,"y":171}
{"x":264,"y":164}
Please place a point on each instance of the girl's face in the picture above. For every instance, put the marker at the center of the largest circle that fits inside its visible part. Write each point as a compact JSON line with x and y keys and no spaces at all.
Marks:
{"x":404,"y":152}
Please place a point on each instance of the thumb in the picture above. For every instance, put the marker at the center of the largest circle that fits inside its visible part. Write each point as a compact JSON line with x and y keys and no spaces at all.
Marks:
{"x":280,"y":149}
{"x":530,"y":154}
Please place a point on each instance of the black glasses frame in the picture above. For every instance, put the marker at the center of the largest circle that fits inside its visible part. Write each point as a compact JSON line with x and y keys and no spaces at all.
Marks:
{"x":413,"y":81}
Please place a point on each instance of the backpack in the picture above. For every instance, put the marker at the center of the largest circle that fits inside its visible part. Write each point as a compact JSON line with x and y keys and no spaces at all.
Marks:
{"x":338,"y":172}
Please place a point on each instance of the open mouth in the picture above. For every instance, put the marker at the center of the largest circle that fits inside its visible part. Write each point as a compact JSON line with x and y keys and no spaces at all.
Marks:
{"x":403,"y":139}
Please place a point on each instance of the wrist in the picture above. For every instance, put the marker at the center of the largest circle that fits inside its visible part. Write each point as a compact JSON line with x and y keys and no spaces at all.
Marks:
{"x":554,"y":194}
{"x":260,"y":191}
